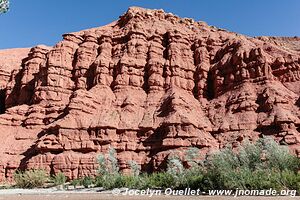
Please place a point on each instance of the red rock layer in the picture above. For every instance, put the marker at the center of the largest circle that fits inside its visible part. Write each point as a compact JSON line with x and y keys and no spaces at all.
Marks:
{"x":147,"y":84}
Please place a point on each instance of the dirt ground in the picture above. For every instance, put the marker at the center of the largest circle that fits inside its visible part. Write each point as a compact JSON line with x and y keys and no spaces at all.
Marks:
{"x":120,"y":197}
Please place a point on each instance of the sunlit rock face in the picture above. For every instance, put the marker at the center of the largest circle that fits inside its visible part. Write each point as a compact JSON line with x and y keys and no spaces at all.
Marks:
{"x":146,"y":85}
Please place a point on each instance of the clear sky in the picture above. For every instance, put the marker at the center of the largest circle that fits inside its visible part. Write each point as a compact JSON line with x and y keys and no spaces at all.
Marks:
{"x":33,"y":22}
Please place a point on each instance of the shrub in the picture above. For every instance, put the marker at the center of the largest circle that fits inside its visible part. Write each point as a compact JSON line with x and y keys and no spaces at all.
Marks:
{"x":109,"y":181}
{"x":59,"y":179}
{"x":290,"y":180}
{"x":261,"y":165}
{"x":160,"y":180}
{"x":191,"y":178}
{"x":113,"y":161}
{"x":191,"y":157}
{"x":86,"y":181}
{"x":109,"y":165}
{"x":279,"y":156}
{"x":30,"y":178}
{"x":109,"y":176}
{"x":143,"y":181}
{"x":102,"y":169}
{"x":75,"y":182}
{"x":175,"y":166}
{"x":108,"y":171}
{"x":136,"y":182}
{"x":250,"y":155}
{"x":134,"y":167}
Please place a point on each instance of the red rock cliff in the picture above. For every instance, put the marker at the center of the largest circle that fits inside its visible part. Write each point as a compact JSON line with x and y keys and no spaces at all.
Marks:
{"x":146,"y":84}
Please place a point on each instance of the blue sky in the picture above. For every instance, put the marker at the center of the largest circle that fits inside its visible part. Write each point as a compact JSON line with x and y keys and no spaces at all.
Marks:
{"x":33,"y":22}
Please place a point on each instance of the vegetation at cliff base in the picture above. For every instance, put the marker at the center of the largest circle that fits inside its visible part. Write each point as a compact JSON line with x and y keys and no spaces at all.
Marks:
{"x":261,"y":165}
{"x":59,"y":179}
{"x":30,"y":178}
{"x":253,"y":166}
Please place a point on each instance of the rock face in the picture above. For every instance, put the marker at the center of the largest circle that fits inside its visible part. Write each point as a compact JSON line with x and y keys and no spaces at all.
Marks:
{"x":146,"y":85}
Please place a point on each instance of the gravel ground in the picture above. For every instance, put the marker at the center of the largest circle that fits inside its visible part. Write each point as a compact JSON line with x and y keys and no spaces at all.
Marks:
{"x":112,"y":197}
{"x":99,"y":194}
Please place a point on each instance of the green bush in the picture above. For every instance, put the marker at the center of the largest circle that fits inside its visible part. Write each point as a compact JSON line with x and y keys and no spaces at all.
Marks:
{"x":30,"y":178}
{"x":160,"y":180}
{"x":75,"y":182}
{"x":59,"y":179}
{"x":135,"y":181}
{"x":290,"y":180}
{"x":134,"y":167}
{"x":108,"y":171}
{"x":86,"y":181}
{"x":279,"y":156}
{"x":261,"y":165}
{"x":109,"y":176}
{"x":191,"y":178}
{"x":191,"y":156}
{"x":108,"y":165}
{"x":109,"y":181}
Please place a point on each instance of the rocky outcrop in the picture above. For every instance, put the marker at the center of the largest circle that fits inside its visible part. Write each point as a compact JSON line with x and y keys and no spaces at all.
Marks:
{"x":148,"y":84}
{"x":288,"y":43}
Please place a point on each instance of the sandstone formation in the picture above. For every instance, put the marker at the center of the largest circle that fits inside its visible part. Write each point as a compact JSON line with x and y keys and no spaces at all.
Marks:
{"x":148,"y":84}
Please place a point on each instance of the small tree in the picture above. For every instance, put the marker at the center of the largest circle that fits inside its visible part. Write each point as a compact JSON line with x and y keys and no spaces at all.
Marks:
{"x":192,"y":155}
{"x":114,"y":166}
{"x":4,"y":6}
{"x":135,"y":168}
{"x":109,"y":165}
{"x":109,"y":175}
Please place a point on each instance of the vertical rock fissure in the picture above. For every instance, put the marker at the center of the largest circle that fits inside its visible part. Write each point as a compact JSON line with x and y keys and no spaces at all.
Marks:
{"x":196,"y":73}
{"x":210,"y":86}
{"x":2,"y":101}
{"x":146,"y":86}
{"x":165,"y":43}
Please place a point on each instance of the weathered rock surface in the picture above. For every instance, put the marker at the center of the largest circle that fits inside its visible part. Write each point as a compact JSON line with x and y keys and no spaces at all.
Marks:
{"x":147,"y":84}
